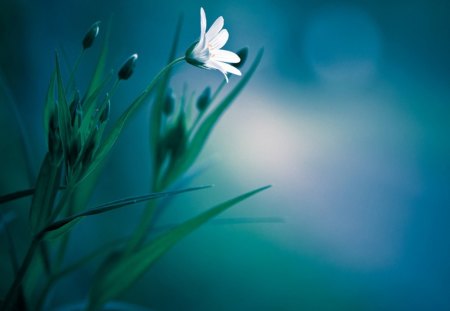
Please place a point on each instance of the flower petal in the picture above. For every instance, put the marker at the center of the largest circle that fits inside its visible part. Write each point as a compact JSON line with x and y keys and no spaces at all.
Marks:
{"x":230,"y":69}
{"x":201,"y":42}
{"x":219,"y":41}
{"x":223,"y":67}
{"x":214,"y":29}
{"x":225,"y":56}
{"x":218,"y":66}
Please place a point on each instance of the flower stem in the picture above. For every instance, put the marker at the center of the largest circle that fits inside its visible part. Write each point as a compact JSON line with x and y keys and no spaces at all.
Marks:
{"x":217,"y":92}
{"x":75,"y":68}
{"x":13,"y":290}
{"x":141,"y":231}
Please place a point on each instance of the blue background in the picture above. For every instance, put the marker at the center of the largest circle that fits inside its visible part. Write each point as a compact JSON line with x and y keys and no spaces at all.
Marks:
{"x":347,"y":117}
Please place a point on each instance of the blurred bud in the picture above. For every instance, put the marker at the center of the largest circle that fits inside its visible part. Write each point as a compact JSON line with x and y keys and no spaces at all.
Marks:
{"x":128,"y":67}
{"x":104,"y":115}
{"x":176,"y":138}
{"x":169,"y":103}
{"x":90,"y":35}
{"x":161,"y":151}
{"x":75,"y":108}
{"x":204,"y":100}
{"x":54,"y":143}
{"x":74,"y":151}
{"x":53,"y":122}
{"x":89,"y":148}
{"x":242,"y":53}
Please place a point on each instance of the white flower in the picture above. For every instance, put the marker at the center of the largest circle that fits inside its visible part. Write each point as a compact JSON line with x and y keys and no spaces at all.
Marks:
{"x":207,"y":53}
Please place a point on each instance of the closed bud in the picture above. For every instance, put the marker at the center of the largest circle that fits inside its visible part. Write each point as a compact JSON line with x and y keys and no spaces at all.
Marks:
{"x":104,"y":115}
{"x":74,"y":151}
{"x":90,"y":35}
{"x":53,"y":123}
{"x":127,"y":68}
{"x":242,"y":53}
{"x":89,"y":148}
{"x":54,"y":143}
{"x":176,"y":138}
{"x":169,"y":103}
{"x":204,"y":100}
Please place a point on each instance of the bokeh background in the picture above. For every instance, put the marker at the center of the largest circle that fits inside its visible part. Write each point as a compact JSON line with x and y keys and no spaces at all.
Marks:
{"x":347,"y":117}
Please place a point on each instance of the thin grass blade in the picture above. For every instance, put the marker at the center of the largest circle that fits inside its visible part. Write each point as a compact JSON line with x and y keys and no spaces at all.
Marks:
{"x":49,"y":103}
{"x":63,"y":110}
{"x":124,"y":271}
{"x":62,"y":226}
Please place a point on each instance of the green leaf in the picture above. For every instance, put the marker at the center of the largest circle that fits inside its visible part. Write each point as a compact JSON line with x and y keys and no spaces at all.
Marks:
{"x":63,"y":110}
{"x":62,"y":226}
{"x":200,"y":136}
{"x":122,"y":272}
{"x":47,"y":186}
{"x":49,"y":103}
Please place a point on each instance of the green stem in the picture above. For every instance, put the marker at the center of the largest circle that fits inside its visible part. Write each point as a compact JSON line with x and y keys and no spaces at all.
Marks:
{"x":75,"y":68}
{"x":162,"y":73}
{"x":61,"y":204}
{"x":16,"y":195}
{"x":139,"y":236}
{"x":62,"y":251}
{"x":156,"y":113}
{"x":141,"y":231}
{"x":13,"y":290}
{"x":219,"y":89}
{"x":73,"y":267}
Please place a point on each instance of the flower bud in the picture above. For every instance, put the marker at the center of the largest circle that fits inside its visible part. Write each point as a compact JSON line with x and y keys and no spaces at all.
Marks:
{"x":54,"y":142}
{"x":104,"y":115}
{"x":128,"y":67}
{"x":53,"y":122}
{"x":74,"y":151}
{"x":90,"y":35}
{"x":169,"y":103}
{"x":176,"y":138}
{"x":89,"y":148}
{"x":242,"y":53}
{"x":204,"y":100}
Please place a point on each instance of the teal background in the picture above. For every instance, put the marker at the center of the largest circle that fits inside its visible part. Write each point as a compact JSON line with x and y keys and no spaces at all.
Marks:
{"x":347,"y":117}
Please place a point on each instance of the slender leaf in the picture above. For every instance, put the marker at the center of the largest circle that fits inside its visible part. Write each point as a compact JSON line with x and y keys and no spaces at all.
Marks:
{"x":45,"y":193}
{"x":200,"y":136}
{"x":62,"y":226}
{"x":4,"y":221}
{"x":110,"y":141}
{"x":124,"y":271}
{"x":89,"y":108}
{"x":16,"y":195}
{"x":77,"y":264}
{"x":63,"y":110}
{"x":49,"y":103}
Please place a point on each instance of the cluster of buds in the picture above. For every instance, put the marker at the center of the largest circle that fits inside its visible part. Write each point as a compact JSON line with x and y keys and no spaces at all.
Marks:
{"x":75,"y":130}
